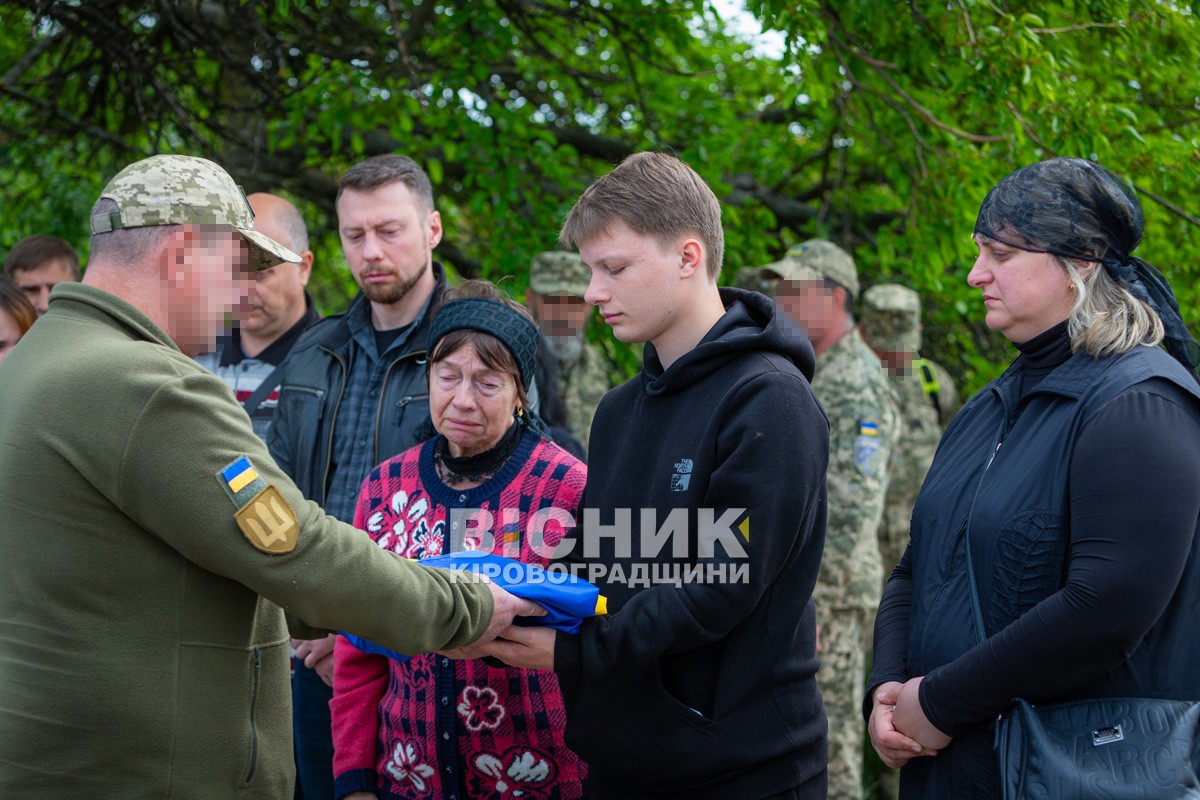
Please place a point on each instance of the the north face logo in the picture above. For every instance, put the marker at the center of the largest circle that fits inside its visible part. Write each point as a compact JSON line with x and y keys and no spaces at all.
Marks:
{"x":683,"y":475}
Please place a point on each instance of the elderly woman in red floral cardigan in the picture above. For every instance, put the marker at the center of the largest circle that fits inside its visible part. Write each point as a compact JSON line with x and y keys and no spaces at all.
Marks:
{"x":491,"y":479}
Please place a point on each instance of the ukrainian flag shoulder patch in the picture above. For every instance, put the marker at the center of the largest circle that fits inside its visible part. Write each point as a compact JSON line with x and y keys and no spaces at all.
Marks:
{"x":241,"y":482}
{"x":867,"y":448}
{"x":263,"y":515}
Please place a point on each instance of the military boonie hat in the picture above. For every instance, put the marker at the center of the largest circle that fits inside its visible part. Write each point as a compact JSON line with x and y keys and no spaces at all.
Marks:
{"x":559,"y":272}
{"x":891,"y":317}
{"x":185,"y":190}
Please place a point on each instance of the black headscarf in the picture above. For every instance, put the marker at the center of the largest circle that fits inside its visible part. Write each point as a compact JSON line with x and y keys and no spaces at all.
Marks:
{"x":1076,"y":209}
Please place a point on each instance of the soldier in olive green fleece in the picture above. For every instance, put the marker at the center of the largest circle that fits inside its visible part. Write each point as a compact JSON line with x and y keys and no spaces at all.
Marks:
{"x":143,"y":649}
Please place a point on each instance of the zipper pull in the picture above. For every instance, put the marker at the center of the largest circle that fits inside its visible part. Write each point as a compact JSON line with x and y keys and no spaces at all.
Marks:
{"x":992,"y":457}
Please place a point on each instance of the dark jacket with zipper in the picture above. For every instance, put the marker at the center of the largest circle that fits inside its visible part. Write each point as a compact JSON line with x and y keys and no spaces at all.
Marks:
{"x":705,"y":689}
{"x":316,"y":371}
{"x":1002,"y":477}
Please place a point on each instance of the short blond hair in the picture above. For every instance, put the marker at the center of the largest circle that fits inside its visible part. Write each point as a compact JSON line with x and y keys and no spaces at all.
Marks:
{"x":656,"y":195}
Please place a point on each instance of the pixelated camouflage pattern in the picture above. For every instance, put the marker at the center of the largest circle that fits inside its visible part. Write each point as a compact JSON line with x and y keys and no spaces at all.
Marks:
{"x":840,"y":681}
{"x":914,"y":454}
{"x":185,"y":190}
{"x":559,"y":272}
{"x":852,"y":386}
{"x":787,"y":269}
{"x":581,"y":384}
{"x":751,"y":278}
{"x":828,"y":260}
{"x":891,"y":316}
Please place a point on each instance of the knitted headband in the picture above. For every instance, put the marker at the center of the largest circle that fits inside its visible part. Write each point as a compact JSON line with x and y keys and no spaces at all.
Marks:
{"x":494,"y":318}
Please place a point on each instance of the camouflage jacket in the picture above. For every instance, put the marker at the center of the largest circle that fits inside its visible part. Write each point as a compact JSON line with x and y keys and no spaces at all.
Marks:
{"x":864,"y":424}
{"x":582,"y":383}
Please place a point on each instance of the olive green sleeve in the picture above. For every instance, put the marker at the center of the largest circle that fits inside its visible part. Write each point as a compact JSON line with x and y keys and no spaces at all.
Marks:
{"x":189,"y":430}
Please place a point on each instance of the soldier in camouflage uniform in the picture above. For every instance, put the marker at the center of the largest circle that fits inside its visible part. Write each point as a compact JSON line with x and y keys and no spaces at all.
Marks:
{"x":557,"y":282}
{"x":891,"y":325}
{"x":817,"y":284}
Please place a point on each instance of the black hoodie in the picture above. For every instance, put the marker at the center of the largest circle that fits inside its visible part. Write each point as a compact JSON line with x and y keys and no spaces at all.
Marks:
{"x":705,"y":688}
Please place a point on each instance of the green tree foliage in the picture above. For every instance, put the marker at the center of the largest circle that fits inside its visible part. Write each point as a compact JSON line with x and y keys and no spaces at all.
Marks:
{"x":882,"y":126}
{"x":929,"y":104}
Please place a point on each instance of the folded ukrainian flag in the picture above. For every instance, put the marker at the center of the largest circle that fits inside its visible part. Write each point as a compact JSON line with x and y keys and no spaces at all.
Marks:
{"x":566,"y":598}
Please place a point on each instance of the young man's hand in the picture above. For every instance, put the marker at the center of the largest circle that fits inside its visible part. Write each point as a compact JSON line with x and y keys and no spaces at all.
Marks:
{"x":505,"y":608}
{"x":528,"y":648}
{"x":317,"y":654}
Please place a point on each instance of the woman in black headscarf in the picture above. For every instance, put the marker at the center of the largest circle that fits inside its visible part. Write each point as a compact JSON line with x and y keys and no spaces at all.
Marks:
{"x":1075,"y":479}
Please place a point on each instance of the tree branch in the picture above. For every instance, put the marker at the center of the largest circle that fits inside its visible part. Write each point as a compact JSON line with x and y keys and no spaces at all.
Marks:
{"x":26,"y":61}
{"x":1169,"y":206}
{"x":879,"y":67}
{"x":76,"y":123}
{"x":1080,"y":27}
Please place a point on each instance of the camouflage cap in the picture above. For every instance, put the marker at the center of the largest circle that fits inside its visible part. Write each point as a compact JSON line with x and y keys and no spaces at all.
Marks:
{"x":831,"y":261}
{"x":891,"y":317}
{"x":184,"y":190}
{"x":788,"y":269}
{"x":559,"y":272}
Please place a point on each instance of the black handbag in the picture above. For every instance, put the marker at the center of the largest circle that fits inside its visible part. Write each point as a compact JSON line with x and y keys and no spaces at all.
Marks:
{"x":1111,"y":748}
{"x":1104,"y":748}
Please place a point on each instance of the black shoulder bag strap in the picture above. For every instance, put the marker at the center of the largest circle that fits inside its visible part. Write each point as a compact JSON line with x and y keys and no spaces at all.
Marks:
{"x":264,"y":389}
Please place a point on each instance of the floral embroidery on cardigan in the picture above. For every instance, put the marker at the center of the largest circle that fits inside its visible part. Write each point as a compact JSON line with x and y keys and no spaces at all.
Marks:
{"x":432,"y":727}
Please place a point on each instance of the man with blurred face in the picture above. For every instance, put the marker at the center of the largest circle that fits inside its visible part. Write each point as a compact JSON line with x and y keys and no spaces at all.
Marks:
{"x":37,"y":263}
{"x":557,"y":284}
{"x":270,"y":321}
{"x":354,"y":391}
{"x":149,"y":540}
{"x":817,"y":283}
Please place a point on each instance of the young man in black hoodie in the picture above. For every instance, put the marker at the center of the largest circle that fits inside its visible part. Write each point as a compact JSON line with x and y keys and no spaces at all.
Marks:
{"x":703,"y":519}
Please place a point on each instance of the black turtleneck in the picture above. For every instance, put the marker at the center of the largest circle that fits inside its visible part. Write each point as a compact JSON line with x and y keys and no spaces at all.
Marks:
{"x":1043,"y":353}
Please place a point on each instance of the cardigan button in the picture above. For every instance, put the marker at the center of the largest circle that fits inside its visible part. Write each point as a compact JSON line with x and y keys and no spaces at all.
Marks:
{"x":445,"y":700}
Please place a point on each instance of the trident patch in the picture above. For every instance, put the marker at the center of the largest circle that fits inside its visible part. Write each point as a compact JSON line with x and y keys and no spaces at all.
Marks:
{"x":263,"y":515}
{"x":269,"y":522}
